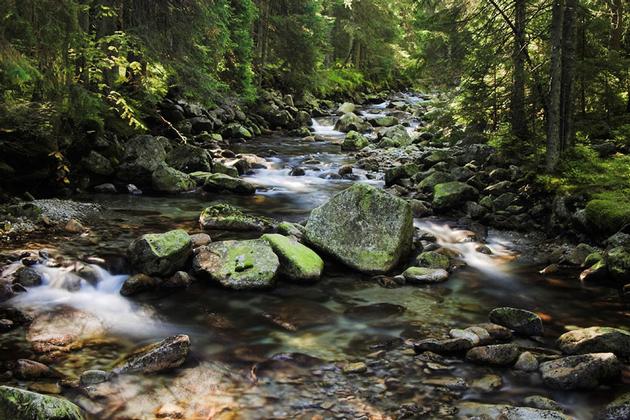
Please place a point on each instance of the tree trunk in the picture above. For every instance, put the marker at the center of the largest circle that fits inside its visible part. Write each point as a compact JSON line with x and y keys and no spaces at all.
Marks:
{"x":568,"y":75}
{"x":519,"y":121}
{"x":555,"y":87}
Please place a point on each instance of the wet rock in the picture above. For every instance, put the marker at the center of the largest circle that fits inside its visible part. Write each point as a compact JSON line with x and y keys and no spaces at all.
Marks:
{"x":437,"y":177}
{"x":358,"y":367}
{"x":157,"y":357}
{"x":452,"y":194}
{"x":179,"y":280}
{"x":236,"y":131}
{"x":399,"y":172}
{"x":596,"y":340}
{"x":345,"y":108}
{"x":138,"y":283}
{"x":522,"y":321}
{"x":160,"y":254}
{"x":221,"y":168}
{"x":423,"y":275}
{"x":465,"y":334}
{"x":449,"y":382}
{"x":432,"y":259}
{"x":420,"y":208}
{"x":297,"y":172}
{"x":351,"y":122}
{"x":93,"y":377}
{"x":396,"y":136}
{"x":106,"y":188}
{"x":618,"y":263}
{"x":30,"y":369}
{"x":27,"y":277}
{"x":169,"y":180}
{"x":18,"y":404}
{"x":617,"y":410}
{"x":223,"y":183}
{"x":226,"y":217}
{"x":354,"y":141}
{"x":345,"y":170}
{"x":526,"y":362}
{"x":200,"y":239}
{"x":143,"y":155}
{"x":188,"y":158}
{"x":297,"y":262}
{"x":74,"y":226}
{"x":97,"y":164}
{"x":446,"y":346}
{"x":473,"y":410}
{"x":364,"y":227}
{"x":488,"y":383}
{"x":497,"y":354}
{"x":543,"y":403}
{"x":238,"y":264}
{"x":385,"y":121}
{"x":291,"y":229}
{"x":52,"y":388}
{"x":63,"y":330}
{"x":580,"y":372}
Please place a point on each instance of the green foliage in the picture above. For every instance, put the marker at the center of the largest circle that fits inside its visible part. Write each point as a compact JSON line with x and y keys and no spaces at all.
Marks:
{"x":339,"y":80}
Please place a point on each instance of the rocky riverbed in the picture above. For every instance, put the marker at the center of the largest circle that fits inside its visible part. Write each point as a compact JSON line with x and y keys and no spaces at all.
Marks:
{"x":367,"y":267}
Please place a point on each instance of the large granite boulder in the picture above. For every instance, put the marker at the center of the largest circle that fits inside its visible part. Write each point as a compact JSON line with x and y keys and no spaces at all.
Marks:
{"x":170,"y":180}
{"x":188,"y":158}
{"x":239,"y":265}
{"x":363,"y":227}
{"x":160,"y":254}
{"x":452,"y":194}
{"x":143,"y":155}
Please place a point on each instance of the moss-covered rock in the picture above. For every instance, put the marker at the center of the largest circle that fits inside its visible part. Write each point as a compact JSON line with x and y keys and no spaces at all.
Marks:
{"x":97,"y":164}
{"x":188,"y":158}
{"x":424,"y":275}
{"x":363,"y":227}
{"x":428,"y":183}
{"x":236,"y":131}
{"x":160,"y":254}
{"x":399,"y":172}
{"x":238,"y":265}
{"x":297,"y":262}
{"x":222,"y":168}
{"x":522,"y":321}
{"x":432,"y":259}
{"x":170,"y":180}
{"x":351,"y":122}
{"x":453,"y":194}
{"x":618,"y":263}
{"x":18,"y":404}
{"x":219,"y":182}
{"x":291,"y":229}
{"x":396,"y":136}
{"x":226,"y":217}
{"x":143,"y":155}
{"x":606,"y":216}
{"x":596,"y":340}
{"x":385,"y":121}
{"x":354,"y":141}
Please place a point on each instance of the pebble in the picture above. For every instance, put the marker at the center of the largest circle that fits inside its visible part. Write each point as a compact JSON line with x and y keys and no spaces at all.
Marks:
{"x":526,"y":362}
{"x":358,"y":367}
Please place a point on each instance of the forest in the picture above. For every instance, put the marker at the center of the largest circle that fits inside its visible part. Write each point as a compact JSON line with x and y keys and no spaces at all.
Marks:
{"x":376,"y":209}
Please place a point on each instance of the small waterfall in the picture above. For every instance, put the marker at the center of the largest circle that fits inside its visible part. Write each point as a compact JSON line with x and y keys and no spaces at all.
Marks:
{"x":320,"y":129}
{"x":463,"y":243}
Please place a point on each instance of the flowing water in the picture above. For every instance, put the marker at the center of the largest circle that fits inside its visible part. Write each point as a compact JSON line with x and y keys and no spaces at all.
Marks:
{"x":342,"y":318}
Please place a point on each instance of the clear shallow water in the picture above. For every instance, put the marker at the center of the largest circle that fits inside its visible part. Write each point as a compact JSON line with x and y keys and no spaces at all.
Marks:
{"x":342,"y":318}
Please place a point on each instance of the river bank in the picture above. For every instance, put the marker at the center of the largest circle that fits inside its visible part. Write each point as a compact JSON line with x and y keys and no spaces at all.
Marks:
{"x":345,"y":346}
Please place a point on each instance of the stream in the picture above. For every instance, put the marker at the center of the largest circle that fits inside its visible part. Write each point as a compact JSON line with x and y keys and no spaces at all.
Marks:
{"x":275,"y":354}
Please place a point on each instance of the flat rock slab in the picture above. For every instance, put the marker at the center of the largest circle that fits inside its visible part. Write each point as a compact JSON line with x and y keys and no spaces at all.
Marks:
{"x":238,"y":265}
{"x":63,"y":330}
{"x":364,"y":228}
{"x":167,"y":354}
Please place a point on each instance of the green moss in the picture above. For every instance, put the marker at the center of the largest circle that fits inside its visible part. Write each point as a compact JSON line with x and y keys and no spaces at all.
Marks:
{"x":432,"y":259}
{"x":297,"y":261}
{"x":226,"y":217}
{"x":165,"y":244}
{"x":18,"y":404}
{"x":450,"y":194}
{"x":608,"y":213}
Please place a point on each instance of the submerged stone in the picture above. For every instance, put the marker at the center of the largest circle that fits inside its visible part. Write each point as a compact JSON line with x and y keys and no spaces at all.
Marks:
{"x":157,"y":357}
{"x":297,"y":262}
{"x":364,"y":227}
{"x":423,"y":275}
{"x":160,"y":254}
{"x":238,"y":265}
